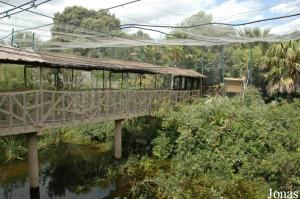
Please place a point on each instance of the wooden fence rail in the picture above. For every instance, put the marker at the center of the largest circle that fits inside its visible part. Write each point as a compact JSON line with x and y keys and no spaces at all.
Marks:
{"x":31,"y":111}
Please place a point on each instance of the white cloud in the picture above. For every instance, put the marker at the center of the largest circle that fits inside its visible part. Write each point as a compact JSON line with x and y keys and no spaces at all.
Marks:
{"x":286,"y":7}
{"x":234,"y":10}
{"x":287,"y":27}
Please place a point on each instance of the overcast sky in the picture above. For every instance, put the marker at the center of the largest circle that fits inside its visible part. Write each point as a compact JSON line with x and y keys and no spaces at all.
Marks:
{"x":164,"y":12}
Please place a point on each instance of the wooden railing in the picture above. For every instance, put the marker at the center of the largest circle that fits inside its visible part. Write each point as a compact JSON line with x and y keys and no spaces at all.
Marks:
{"x":31,"y":111}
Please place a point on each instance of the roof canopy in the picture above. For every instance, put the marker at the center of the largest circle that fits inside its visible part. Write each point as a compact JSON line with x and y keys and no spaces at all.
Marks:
{"x":55,"y":60}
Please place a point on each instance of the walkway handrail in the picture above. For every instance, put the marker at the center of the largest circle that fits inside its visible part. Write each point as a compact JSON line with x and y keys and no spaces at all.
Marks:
{"x":31,"y":111}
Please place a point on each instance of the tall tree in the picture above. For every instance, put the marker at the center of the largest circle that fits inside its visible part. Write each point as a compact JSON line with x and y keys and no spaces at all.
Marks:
{"x":282,"y":66}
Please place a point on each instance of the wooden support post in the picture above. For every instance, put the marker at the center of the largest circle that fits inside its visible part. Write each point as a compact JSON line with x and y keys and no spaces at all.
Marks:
{"x":118,"y":139}
{"x":122,"y":82}
{"x":201,"y":86}
{"x":140,"y":81}
{"x":185,"y":83}
{"x":173,"y":84}
{"x":72,"y":79}
{"x":103,"y":79}
{"x":127,"y":78}
{"x":25,"y":76}
{"x":192,"y":83}
{"x":33,"y":165}
{"x":58,"y":86}
{"x":41,"y":78}
{"x":180,"y":83}
{"x":109,"y":80}
{"x":198,"y":83}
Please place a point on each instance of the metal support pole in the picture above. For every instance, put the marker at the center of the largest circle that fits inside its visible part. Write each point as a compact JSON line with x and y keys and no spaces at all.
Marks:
{"x":223,"y":70}
{"x":202,"y":65}
{"x":33,"y":165}
{"x":33,"y":41}
{"x":12,"y":37}
{"x":118,"y":139}
{"x":250,"y":64}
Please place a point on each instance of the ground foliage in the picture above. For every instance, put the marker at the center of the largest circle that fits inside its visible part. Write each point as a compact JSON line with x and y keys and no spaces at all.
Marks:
{"x":221,"y":147}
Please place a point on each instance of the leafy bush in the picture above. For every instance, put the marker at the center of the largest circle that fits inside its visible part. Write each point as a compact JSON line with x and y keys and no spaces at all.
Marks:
{"x":241,"y":144}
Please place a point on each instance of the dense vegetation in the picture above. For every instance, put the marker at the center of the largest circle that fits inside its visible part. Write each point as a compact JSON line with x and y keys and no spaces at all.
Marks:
{"x":221,"y":147}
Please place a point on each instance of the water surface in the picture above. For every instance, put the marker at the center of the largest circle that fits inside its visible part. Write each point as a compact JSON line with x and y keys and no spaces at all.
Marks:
{"x":67,"y":171}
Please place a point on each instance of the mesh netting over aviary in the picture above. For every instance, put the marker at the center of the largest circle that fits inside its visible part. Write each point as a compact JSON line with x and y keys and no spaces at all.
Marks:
{"x":194,"y":31}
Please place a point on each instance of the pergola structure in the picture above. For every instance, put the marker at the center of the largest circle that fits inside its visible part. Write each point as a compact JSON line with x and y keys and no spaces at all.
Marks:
{"x":234,"y":85}
{"x":47,"y":103}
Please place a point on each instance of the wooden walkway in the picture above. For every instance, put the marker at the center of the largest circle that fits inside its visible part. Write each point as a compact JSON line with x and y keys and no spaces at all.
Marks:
{"x":35,"y":110}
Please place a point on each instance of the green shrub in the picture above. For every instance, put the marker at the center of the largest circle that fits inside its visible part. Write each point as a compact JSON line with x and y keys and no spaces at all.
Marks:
{"x":242,"y":142}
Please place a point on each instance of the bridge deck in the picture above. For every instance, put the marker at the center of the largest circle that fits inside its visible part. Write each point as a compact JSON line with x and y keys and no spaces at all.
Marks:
{"x":35,"y":110}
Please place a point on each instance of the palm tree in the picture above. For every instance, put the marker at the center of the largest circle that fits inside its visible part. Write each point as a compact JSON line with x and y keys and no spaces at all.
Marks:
{"x":282,"y":66}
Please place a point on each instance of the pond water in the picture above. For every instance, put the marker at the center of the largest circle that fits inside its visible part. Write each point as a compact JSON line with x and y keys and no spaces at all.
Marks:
{"x":67,"y":171}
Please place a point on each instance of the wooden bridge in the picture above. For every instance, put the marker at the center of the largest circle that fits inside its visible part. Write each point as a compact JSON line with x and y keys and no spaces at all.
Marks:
{"x":48,"y":102}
